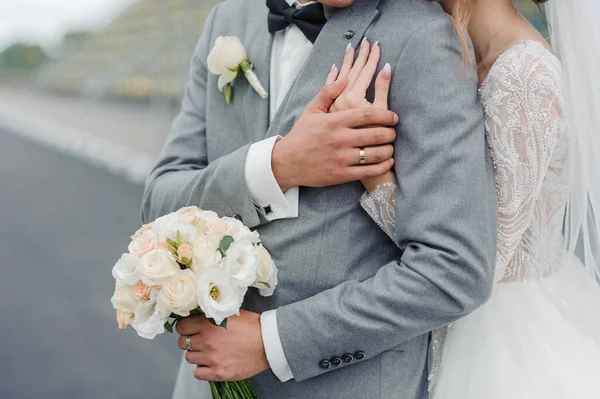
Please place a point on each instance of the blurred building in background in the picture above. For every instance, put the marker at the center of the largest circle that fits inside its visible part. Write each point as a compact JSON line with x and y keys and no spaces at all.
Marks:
{"x":144,"y":53}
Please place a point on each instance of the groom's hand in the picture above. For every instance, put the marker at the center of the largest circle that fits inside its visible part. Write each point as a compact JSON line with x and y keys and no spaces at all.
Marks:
{"x":220,"y":354}
{"x":322,"y":149}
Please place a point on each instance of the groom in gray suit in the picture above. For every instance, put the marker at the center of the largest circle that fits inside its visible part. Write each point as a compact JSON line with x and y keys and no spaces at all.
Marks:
{"x":353,"y":311}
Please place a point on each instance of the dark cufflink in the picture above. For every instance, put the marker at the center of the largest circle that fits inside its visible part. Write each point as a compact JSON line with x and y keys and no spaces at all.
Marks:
{"x":268,"y":209}
{"x":325,"y":364}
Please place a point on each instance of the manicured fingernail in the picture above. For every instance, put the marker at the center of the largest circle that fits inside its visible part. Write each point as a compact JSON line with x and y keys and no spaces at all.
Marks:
{"x":333,"y":67}
{"x":375,"y":45}
{"x":386,"y":72}
{"x":348,"y":47}
{"x":395,"y":118}
{"x":364,"y":41}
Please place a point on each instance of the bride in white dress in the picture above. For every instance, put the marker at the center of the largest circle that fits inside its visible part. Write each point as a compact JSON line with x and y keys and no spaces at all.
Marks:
{"x":539,"y":334}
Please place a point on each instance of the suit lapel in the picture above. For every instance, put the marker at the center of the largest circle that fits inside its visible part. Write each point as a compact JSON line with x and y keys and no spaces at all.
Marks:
{"x":258,"y":43}
{"x":328,"y":49}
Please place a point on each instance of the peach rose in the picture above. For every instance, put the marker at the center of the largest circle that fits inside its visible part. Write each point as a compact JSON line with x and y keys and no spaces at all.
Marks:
{"x":185,"y":251}
{"x":205,"y":252}
{"x":142,"y":244}
{"x":224,"y":227}
{"x":124,"y":319}
{"x":142,"y":291}
{"x":124,"y":299}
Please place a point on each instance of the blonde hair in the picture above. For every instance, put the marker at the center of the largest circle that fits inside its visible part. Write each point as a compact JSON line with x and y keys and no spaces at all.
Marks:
{"x":461,"y":15}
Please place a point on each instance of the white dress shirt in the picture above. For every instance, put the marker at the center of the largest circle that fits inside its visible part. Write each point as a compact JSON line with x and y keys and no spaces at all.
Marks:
{"x":290,"y":50}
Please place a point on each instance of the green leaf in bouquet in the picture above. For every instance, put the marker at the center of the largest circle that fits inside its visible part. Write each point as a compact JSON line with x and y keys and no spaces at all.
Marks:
{"x":265,"y":284}
{"x":169,"y":327}
{"x":196,"y":312}
{"x":172,"y":244}
{"x":214,"y":323}
{"x":180,"y":238}
{"x":185,"y":261}
{"x":225,"y":244}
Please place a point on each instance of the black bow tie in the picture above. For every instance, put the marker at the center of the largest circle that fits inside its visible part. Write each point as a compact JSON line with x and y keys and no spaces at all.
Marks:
{"x":310,"y":19}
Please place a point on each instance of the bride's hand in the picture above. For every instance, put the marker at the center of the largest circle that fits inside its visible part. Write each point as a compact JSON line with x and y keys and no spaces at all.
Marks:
{"x":360,"y":74}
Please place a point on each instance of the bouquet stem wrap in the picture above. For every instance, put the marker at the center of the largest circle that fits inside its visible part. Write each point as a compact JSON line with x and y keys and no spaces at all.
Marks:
{"x":232,"y":390}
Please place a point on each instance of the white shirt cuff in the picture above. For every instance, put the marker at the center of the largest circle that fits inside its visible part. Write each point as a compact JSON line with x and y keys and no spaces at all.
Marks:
{"x":273,"y":348}
{"x":263,"y":187}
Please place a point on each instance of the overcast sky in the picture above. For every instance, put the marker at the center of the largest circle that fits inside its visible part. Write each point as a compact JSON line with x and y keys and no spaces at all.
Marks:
{"x":45,"y":21}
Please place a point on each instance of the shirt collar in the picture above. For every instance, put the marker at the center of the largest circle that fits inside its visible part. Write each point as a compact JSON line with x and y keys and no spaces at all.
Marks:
{"x":295,"y":3}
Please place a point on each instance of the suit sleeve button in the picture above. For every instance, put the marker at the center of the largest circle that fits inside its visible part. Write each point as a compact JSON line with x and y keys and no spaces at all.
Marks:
{"x":325,"y":364}
{"x":347,"y":358}
{"x":336,"y":361}
{"x":360,"y":355}
{"x":238,"y":217}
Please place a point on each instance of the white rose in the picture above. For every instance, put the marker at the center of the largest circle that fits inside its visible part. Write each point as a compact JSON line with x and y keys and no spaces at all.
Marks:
{"x":124,"y":299}
{"x":226,"y":55}
{"x":143,"y":243}
{"x":157,"y":266}
{"x":186,"y":230}
{"x":149,"y":318}
{"x":159,"y":227}
{"x":218,"y":295}
{"x":178,"y":294}
{"x":205,"y":252}
{"x":241,"y":263}
{"x":247,"y":235}
{"x":126,"y":270}
{"x":265,"y":273}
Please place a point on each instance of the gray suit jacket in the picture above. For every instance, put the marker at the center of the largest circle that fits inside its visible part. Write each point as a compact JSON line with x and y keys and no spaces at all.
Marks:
{"x":345,"y":288}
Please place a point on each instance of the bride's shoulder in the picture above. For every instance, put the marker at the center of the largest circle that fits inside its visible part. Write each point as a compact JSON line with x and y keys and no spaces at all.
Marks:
{"x":524,"y":62}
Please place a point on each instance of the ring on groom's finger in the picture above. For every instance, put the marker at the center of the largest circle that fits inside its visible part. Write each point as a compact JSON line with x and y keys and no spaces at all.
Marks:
{"x":188,"y":343}
{"x":362,"y":156}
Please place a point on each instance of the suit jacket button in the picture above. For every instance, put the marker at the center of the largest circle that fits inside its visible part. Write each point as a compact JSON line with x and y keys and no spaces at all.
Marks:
{"x":347,"y":358}
{"x":336,"y":361}
{"x":325,"y":364}
{"x":360,"y":355}
{"x":238,"y":217}
{"x":349,"y":34}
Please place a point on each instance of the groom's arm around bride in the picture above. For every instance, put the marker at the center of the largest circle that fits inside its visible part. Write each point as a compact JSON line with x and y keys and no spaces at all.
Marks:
{"x":345,"y":288}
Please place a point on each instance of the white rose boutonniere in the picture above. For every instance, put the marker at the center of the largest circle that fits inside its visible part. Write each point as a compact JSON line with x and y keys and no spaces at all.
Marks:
{"x":226,"y":59}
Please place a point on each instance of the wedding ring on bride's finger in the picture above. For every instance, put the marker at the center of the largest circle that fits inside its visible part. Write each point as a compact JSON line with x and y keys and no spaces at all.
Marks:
{"x":188,"y":343}
{"x":362,"y":156}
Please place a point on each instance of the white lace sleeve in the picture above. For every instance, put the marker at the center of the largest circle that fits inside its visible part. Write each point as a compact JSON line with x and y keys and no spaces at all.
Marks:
{"x":380,"y":204}
{"x":523,"y":105}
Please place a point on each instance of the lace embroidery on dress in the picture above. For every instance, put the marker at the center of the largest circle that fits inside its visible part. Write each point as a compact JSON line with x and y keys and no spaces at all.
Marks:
{"x":526,"y":132}
{"x":522,"y":99}
{"x":380,"y":204}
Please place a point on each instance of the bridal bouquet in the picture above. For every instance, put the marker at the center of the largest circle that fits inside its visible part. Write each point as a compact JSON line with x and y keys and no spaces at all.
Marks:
{"x":190,"y":262}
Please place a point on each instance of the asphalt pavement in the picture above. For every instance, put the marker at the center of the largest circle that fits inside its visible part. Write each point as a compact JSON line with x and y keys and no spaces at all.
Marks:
{"x":63,"y":224}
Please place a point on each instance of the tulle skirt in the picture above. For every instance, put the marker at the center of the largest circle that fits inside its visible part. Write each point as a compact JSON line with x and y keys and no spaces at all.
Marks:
{"x":531,"y":340}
